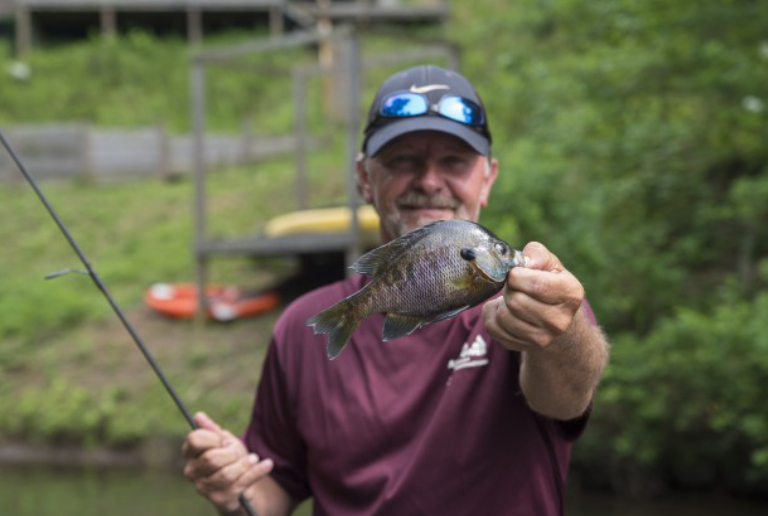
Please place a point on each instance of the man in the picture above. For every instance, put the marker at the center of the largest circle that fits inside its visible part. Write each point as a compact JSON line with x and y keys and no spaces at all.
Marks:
{"x":472,"y":415}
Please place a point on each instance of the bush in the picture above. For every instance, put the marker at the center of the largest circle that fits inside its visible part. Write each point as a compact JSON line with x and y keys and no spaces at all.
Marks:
{"x":686,"y":404}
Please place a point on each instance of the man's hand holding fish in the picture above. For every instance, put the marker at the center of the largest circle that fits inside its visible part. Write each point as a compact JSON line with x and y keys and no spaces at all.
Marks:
{"x":543,"y":315}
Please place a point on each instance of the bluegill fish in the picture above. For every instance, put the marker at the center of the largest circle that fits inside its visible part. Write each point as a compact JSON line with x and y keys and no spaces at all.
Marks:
{"x":428,"y":275}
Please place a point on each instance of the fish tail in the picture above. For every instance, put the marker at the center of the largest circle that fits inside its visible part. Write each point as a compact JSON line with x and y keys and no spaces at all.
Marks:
{"x":339,"y":322}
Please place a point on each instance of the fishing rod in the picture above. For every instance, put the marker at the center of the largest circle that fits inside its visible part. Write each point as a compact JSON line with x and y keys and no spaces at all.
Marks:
{"x":103,"y":288}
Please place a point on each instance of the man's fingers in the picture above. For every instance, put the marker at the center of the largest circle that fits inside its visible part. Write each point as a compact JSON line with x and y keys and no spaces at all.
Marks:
{"x":237,"y":476}
{"x":513,"y":331}
{"x":208,"y":435}
{"x":258,"y":471}
{"x":546,"y":287}
{"x":229,"y":439}
{"x":553,"y":319}
{"x":492,"y":317}
{"x":225,"y":491}
{"x":199,"y":441}
{"x":544,"y":277}
{"x":219,"y":465}
{"x":213,"y":460}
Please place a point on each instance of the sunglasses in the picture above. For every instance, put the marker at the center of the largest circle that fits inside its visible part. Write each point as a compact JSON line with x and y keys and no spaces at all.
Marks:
{"x":408,"y":104}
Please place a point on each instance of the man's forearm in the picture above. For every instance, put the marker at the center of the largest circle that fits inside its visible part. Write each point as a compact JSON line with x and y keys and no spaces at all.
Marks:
{"x":559,"y":380}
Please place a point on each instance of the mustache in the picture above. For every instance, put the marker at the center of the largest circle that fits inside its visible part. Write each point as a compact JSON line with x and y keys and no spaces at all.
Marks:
{"x":418,"y":200}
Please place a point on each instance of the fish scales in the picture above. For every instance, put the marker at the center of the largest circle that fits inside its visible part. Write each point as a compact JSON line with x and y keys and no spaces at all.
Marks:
{"x":399,"y":294}
{"x":427,"y":275}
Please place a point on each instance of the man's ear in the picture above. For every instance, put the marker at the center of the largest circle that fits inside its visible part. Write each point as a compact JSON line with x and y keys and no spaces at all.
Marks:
{"x":363,"y":181}
{"x":488,"y":180}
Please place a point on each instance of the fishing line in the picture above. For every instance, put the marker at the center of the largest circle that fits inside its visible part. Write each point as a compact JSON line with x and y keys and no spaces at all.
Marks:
{"x":102,"y":287}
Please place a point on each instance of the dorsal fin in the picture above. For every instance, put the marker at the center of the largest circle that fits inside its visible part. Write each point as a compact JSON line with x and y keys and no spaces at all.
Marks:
{"x":370,"y":262}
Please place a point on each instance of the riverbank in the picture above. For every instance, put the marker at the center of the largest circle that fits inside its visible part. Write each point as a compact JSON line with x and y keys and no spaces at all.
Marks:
{"x":88,"y":394}
{"x":15,"y":454}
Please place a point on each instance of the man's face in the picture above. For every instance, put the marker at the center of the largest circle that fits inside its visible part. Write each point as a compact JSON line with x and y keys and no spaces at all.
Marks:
{"x":425,"y":176}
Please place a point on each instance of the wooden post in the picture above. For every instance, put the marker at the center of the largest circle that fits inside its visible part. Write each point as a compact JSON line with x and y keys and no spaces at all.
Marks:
{"x":7,"y":172}
{"x":300,"y":135}
{"x":23,"y":32}
{"x":85,"y":151}
{"x":276,"y":21}
{"x":454,"y":56}
{"x":164,"y":154}
{"x":199,"y":167}
{"x":194,"y":26}
{"x":326,"y":59}
{"x":108,"y":21}
{"x":352,"y":68}
{"x":246,"y":140}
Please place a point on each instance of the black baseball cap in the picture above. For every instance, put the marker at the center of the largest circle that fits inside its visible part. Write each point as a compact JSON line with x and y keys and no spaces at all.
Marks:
{"x":435,"y":84}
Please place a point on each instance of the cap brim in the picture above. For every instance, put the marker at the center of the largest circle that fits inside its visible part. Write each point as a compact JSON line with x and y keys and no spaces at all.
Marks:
{"x":408,"y":125}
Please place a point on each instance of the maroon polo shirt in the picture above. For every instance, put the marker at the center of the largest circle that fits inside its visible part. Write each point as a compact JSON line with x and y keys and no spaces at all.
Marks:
{"x":432,"y":423}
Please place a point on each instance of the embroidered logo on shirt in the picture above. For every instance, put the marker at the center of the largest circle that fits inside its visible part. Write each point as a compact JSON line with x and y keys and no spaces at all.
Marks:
{"x":472,"y":355}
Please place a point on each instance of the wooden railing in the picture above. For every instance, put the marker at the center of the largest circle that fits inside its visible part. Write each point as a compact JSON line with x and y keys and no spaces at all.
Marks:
{"x":68,"y":150}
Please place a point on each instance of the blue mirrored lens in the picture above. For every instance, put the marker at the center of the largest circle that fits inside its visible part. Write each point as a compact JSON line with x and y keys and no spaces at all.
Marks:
{"x":404,"y":104}
{"x":461,"y":110}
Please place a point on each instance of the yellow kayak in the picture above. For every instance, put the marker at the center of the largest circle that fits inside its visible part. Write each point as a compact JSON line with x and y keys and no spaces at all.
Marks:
{"x":326,"y":220}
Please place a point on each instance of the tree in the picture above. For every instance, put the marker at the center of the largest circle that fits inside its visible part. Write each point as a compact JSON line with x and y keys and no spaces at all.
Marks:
{"x":632,"y":138}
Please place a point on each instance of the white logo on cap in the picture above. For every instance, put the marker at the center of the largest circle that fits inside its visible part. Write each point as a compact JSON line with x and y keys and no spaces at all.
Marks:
{"x":428,"y":88}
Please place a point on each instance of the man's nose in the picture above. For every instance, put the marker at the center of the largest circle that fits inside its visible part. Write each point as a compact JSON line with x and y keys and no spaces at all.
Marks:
{"x":429,"y":179}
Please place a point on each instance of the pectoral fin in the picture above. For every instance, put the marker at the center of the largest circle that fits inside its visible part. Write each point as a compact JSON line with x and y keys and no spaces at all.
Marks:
{"x":396,"y":326}
{"x":450,"y":313}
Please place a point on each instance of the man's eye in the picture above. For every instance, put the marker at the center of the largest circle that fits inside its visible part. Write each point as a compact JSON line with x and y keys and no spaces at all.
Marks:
{"x":402,"y":162}
{"x":455,"y":163}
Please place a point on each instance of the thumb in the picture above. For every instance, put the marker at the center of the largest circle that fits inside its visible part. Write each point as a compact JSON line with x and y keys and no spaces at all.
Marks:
{"x":204,"y":421}
{"x":539,"y":257}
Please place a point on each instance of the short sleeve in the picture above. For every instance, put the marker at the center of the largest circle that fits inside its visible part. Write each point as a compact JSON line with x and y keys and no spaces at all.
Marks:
{"x":572,"y":429}
{"x":273,"y":433}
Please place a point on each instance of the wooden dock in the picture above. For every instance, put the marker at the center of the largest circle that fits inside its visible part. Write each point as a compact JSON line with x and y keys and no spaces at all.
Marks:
{"x":34,"y":19}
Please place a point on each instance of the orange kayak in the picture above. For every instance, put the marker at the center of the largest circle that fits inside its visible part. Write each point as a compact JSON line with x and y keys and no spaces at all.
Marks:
{"x":225,"y":302}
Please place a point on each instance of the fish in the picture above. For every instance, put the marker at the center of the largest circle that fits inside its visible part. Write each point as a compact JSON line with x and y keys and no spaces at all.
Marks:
{"x":430,"y":274}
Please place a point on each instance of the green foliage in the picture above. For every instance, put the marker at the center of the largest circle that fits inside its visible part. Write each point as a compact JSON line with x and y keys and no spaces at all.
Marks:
{"x":631,"y":137}
{"x":62,"y":412}
{"x":686,"y":405}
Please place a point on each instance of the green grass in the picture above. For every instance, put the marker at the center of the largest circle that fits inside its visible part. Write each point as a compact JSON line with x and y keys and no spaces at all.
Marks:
{"x":68,"y":370}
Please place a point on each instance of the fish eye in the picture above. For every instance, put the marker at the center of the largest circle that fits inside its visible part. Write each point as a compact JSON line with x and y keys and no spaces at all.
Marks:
{"x":468,"y":254}
{"x":501,"y":248}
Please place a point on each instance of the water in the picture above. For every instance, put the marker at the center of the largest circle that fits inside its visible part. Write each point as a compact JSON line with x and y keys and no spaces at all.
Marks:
{"x":46,"y":491}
